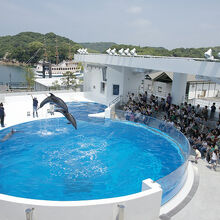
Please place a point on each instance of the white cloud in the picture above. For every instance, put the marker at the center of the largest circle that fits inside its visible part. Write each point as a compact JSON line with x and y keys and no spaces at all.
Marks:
{"x":141,"y":22}
{"x":134,"y":10}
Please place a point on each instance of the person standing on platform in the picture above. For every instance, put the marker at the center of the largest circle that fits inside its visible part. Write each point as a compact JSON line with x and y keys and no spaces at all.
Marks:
{"x":2,"y":115}
{"x":35,"y":105}
{"x":51,"y":108}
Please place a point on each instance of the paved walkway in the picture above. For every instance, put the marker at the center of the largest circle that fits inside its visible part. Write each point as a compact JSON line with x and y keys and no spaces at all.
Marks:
{"x":205,"y":204}
{"x":18,"y":105}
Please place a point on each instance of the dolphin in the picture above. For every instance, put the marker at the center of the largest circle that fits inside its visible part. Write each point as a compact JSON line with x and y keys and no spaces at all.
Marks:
{"x":68,"y":116}
{"x":7,"y":136}
{"x":58,"y":101}
{"x":45,"y":101}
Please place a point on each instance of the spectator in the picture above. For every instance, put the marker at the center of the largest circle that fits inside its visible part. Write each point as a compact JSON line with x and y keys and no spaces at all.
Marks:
{"x":214,"y":159}
{"x":198,"y":110}
{"x":198,"y":154}
{"x":212,"y":114}
{"x":145,"y":96}
{"x":205,"y":112}
{"x":191,"y":121}
{"x":219,"y":113}
{"x":169,"y":99}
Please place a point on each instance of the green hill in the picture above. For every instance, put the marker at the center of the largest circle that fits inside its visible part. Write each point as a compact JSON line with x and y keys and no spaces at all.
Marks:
{"x":24,"y":45}
{"x":98,"y":46}
{"x":178,"y":52}
{"x":155,"y":51}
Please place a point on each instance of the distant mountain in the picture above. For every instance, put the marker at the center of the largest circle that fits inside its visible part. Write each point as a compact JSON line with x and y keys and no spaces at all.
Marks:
{"x":24,"y":45}
{"x":98,"y":46}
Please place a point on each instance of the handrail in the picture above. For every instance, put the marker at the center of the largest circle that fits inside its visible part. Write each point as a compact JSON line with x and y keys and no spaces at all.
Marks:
{"x":117,"y":99}
{"x":29,"y":213}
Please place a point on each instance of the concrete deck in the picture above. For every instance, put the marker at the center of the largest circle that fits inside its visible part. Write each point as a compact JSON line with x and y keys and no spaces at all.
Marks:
{"x":204,"y":205}
{"x":18,"y":105}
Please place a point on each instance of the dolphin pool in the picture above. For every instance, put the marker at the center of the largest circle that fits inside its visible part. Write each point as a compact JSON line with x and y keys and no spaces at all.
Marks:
{"x":50,"y":160}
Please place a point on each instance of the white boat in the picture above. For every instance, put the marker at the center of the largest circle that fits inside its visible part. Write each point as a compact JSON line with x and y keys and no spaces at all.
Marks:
{"x":59,"y":69}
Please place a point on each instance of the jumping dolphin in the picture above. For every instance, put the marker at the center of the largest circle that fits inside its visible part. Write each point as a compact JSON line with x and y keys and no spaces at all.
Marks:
{"x":68,"y":116}
{"x":58,"y":101}
{"x":7,"y":136}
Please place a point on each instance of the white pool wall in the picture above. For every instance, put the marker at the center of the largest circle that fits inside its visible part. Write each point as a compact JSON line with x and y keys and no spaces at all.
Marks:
{"x":140,"y":206}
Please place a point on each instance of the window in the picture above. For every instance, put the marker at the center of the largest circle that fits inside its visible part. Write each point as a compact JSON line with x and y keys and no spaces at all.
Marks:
{"x":104,"y":78}
{"x":102,"y":87}
{"x":115,"y":89}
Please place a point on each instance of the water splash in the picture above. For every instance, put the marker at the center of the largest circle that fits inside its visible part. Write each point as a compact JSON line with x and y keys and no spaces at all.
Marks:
{"x":45,"y":133}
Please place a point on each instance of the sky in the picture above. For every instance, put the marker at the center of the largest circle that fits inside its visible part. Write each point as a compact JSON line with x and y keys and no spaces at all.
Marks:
{"x":159,"y":23}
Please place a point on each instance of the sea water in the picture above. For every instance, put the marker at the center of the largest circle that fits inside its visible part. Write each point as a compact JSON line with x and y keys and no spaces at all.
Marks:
{"x":11,"y":74}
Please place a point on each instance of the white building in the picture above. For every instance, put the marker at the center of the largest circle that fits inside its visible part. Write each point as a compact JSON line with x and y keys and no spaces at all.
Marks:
{"x":108,"y":77}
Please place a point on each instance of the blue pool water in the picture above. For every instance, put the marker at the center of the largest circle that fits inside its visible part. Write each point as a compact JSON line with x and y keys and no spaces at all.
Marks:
{"x":50,"y":160}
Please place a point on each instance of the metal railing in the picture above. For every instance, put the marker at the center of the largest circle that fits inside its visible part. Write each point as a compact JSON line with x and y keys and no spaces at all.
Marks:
{"x":120,"y":215}
{"x":15,"y":85}
{"x":29,"y":213}
{"x":117,"y":99}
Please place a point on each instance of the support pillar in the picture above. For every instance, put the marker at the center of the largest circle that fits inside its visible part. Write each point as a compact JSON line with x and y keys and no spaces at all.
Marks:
{"x":178,"y":88}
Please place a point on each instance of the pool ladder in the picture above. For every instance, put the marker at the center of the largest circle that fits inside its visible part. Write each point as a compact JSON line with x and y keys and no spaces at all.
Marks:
{"x":29,"y":213}
{"x":120,"y":215}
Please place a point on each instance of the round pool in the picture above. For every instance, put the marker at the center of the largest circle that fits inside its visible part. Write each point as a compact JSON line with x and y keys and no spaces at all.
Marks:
{"x":50,"y":160}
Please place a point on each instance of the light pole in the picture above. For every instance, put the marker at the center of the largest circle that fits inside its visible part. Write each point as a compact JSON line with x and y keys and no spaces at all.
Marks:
{"x":10,"y":81}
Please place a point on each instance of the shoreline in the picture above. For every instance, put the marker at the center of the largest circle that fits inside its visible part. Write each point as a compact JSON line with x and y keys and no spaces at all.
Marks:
{"x":10,"y":63}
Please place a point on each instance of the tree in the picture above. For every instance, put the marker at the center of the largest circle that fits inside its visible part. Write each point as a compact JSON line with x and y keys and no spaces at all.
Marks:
{"x":29,"y":76}
{"x":55,"y":85}
{"x":69,"y":79}
{"x":24,"y":45}
{"x":80,"y":66}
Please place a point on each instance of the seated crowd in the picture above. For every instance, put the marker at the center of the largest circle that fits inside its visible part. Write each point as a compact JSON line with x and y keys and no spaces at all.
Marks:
{"x":192,"y":121}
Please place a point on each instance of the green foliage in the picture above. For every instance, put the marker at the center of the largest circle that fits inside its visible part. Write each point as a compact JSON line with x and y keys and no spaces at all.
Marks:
{"x":178,"y":52}
{"x":98,"y":46}
{"x":55,"y":85}
{"x":24,"y":45}
{"x":29,"y":76}
{"x":69,"y":80}
{"x":80,"y":66}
